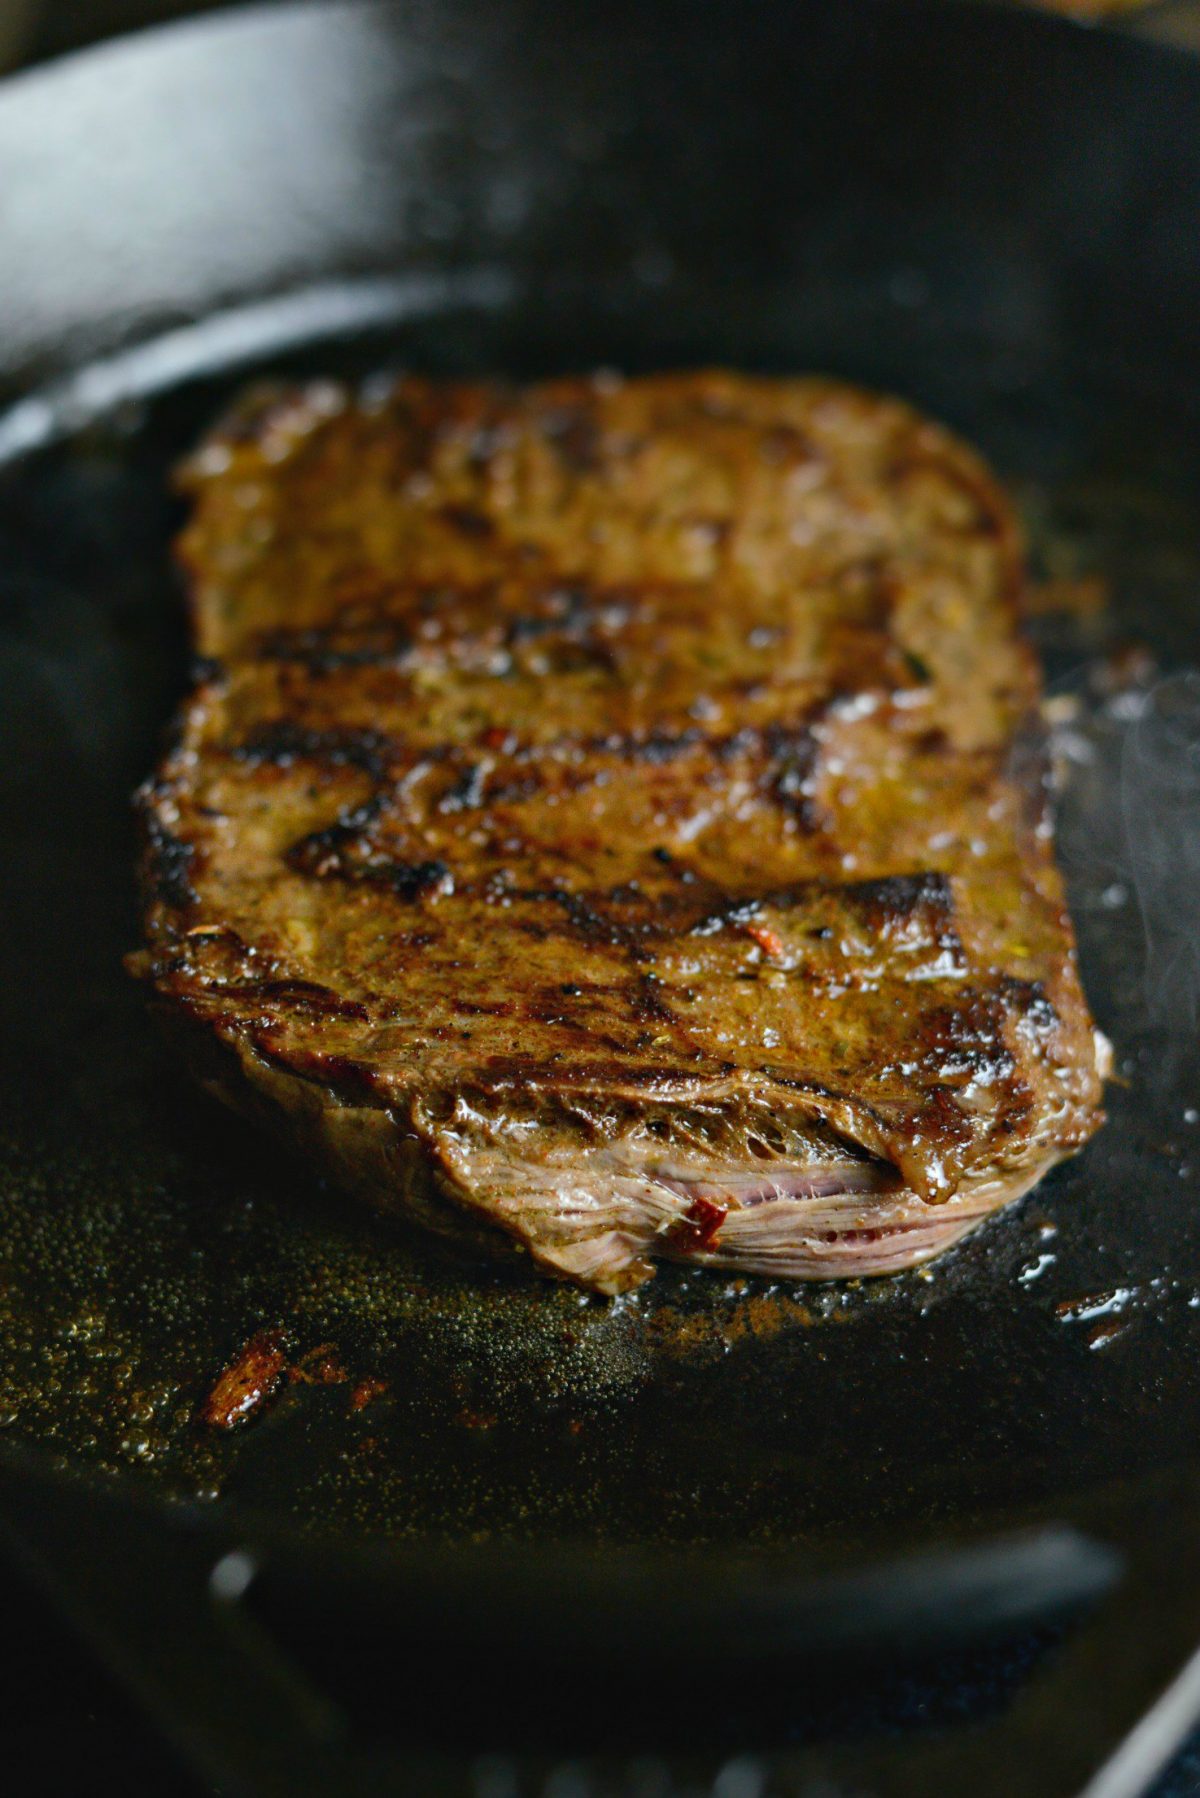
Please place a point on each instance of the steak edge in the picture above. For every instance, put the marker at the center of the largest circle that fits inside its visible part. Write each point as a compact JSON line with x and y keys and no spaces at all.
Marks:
{"x":610,"y":818}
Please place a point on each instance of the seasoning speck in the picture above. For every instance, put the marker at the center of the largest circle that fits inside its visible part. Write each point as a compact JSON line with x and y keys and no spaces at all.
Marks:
{"x":247,"y":1383}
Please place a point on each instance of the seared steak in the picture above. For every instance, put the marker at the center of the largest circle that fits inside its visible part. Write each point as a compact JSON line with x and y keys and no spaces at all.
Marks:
{"x":610,"y":815}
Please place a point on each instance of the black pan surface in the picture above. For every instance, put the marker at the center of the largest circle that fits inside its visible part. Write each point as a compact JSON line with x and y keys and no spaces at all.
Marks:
{"x":992,"y":213}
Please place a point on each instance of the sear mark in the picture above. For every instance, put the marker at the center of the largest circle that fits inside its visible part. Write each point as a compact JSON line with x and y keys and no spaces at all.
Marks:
{"x":280,"y":744}
{"x":169,"y":861}
{"x":347,"y":850}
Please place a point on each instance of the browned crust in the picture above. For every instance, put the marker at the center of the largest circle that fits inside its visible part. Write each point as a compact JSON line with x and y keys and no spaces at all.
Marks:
{"x":578,"y":777}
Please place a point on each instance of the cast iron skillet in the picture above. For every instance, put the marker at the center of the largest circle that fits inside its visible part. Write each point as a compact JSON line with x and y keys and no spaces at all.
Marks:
{"x":715,"y":1486}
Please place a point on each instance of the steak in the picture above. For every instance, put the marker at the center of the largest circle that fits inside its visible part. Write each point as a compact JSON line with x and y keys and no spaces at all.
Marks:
{"x":610,"y":818}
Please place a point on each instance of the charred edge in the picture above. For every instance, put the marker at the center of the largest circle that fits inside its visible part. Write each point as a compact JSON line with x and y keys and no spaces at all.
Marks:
{"x":169,"y":861}
{"x":350,"y":1082}
{"x":280,"y":744}
{"x":214,"y":942}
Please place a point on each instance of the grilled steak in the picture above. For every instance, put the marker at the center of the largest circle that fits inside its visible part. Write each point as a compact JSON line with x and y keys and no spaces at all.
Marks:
{"x":609,"y":817}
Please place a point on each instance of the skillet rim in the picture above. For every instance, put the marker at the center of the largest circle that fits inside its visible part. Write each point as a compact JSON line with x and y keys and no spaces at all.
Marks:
{"x":44,"y":82}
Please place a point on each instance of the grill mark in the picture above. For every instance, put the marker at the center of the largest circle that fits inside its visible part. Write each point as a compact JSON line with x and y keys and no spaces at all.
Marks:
{"x":280,"y":743}
{"x":573,"y":610}
{"x":591,"y":619}
{"x":314,"y":651}
{"x":593,"y":926}
{"x":300,"y":995}
{"x":344,"y":850}
{"x":169,"y":862}
{"x":488,"y":647}
{"x":895,"y":899}
{"x":626,"y":916}
{"x":323,"y":857}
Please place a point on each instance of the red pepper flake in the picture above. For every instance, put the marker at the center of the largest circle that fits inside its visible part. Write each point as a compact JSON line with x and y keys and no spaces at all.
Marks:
{"x":768,"y":940}
{"x":248,"y":1383}
{"x":699,"y":1225}
{"x":365,"y":1391}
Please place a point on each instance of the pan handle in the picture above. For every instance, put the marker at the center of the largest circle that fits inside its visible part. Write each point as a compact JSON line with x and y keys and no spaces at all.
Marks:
{"x":1104,"y":1720}
{"x":162,"y":1608}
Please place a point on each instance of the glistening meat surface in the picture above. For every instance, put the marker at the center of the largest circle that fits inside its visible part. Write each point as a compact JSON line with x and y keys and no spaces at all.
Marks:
{"x":610,"y":819}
